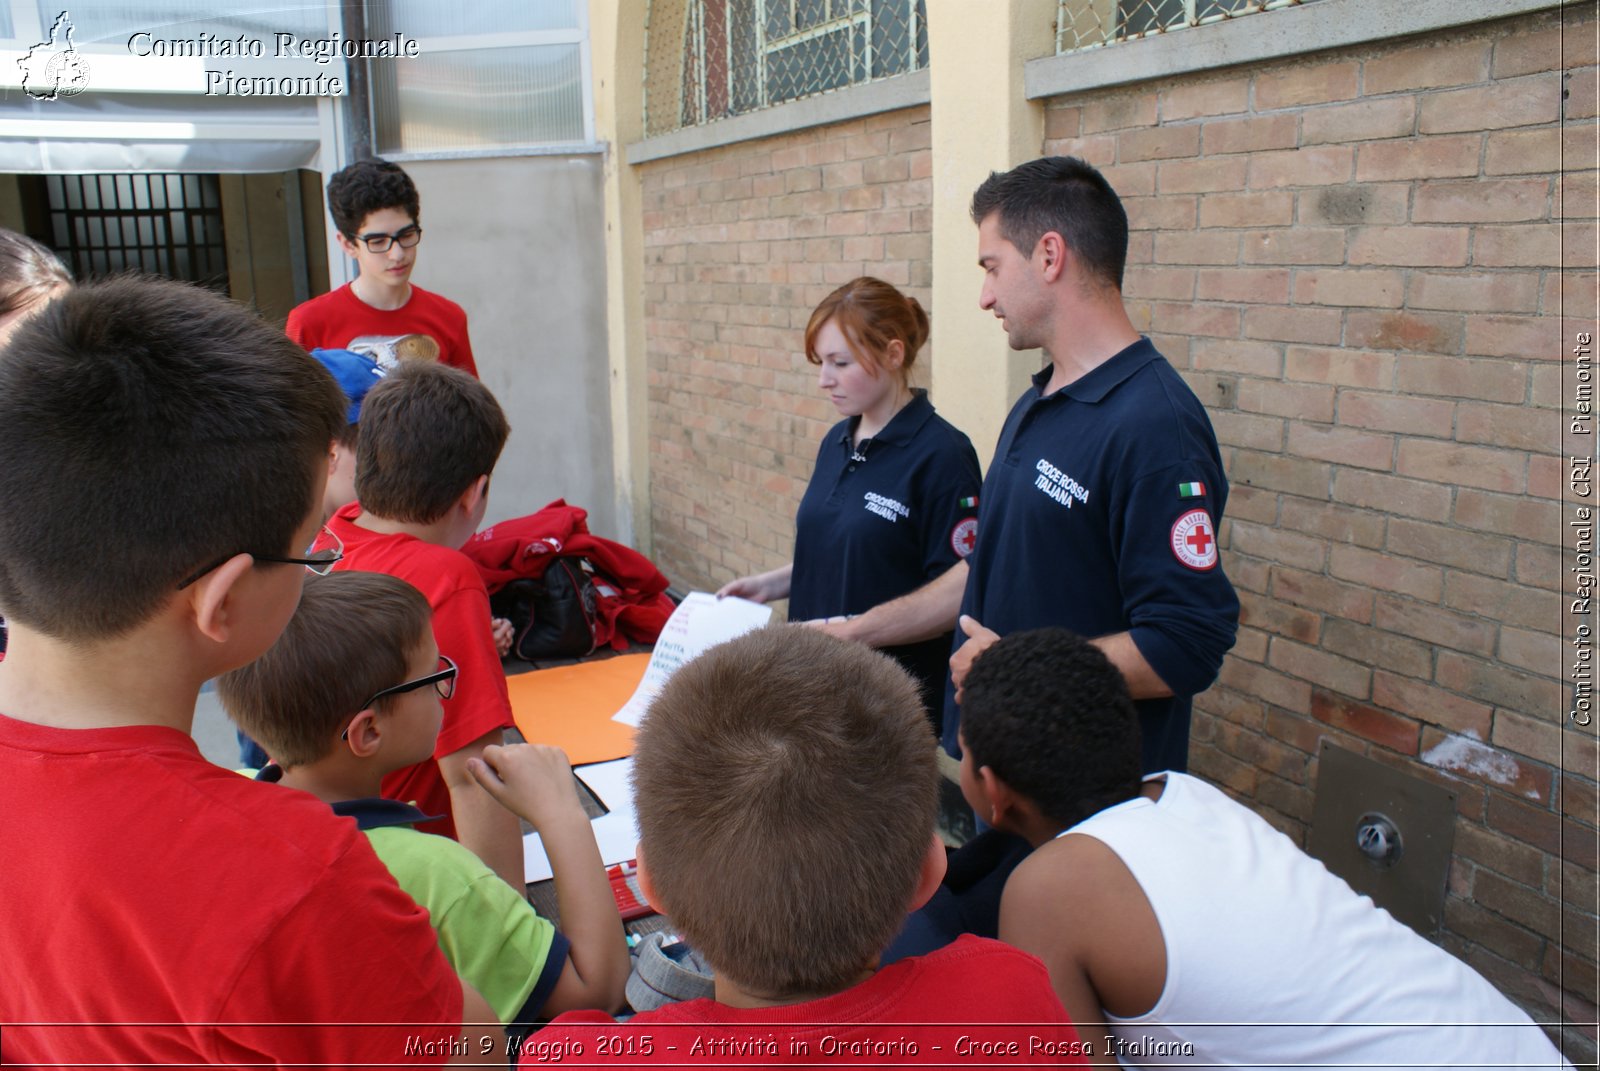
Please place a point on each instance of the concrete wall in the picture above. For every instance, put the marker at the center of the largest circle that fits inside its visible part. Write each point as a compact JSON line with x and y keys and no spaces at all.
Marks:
{"x":518,"y":242}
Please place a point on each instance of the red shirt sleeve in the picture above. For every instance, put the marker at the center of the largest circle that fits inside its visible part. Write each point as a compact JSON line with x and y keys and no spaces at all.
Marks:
{"x":481,"y":703}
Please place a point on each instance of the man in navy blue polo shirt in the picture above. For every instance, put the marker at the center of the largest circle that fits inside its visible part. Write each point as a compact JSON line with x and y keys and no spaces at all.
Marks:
{"x":1099,"y":512}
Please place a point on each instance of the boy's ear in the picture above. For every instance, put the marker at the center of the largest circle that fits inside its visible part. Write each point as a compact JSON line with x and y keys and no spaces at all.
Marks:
{"x":647,"y":886}
{"x":363,"y":738}
{"x":213,"y":601}
{"x":1003,"y":799}
{"x":934,"y":862}
{"x":345,"y":243}
{"x":474,"y":496}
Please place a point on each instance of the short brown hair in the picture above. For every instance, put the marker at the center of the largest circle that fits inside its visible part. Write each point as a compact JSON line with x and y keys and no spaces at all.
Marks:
{"x":150,"y":428}
{"x":871,"y":314}
{"x":427,"y":432}
{"x":350,"y":638}
{"x":786,"y":788}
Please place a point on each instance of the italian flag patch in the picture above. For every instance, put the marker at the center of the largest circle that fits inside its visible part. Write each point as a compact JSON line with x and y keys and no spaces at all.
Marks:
{"x":1191,"y":490}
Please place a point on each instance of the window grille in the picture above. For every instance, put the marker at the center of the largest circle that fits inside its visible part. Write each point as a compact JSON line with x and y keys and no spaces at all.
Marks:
{"x":167,"y":225}
{"x":1088,"y":23}
{"x":711,"y":59}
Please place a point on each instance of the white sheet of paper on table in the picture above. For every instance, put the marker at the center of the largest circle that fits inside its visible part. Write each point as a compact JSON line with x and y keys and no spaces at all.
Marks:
{"x":616,"y":833}
{"x":701,"y":621}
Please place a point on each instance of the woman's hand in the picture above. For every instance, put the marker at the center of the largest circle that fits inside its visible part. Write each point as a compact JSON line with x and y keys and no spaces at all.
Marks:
{"x":761,"y":587}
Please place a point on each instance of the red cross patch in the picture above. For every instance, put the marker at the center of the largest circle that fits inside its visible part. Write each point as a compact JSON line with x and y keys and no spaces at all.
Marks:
{"x":1194,"y":540}
{"x":964,"y":536}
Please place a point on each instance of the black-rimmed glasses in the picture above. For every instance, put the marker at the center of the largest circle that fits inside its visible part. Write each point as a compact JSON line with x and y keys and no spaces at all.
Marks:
{"x":443,"y":680}
{"x":378,"y":242}
{"x":319,"y":560}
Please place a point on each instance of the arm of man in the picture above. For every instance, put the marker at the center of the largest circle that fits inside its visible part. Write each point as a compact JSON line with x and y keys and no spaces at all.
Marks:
{"x":482,"y":825}
{"x":929,"y":611}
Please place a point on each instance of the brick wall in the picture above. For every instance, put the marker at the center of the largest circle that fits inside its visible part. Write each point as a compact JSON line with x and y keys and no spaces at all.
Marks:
{"x":1356,"y":259}
{"x":741,"y":243}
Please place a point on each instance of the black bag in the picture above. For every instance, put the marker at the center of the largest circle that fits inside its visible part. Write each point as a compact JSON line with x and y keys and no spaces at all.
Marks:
{"x":552,"y":617}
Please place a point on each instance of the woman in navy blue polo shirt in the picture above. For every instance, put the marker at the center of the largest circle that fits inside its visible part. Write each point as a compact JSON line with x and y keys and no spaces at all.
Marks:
{"x":893,"y":499}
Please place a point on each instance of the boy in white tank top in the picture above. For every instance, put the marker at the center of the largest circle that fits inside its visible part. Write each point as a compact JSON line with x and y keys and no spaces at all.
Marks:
{"x":1179,"y":928}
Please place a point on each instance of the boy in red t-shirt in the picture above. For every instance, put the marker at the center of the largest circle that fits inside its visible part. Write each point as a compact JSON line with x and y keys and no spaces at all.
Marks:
{"x":786,"y":791}
{"x":430,"y":437}
{"x":377,"y":219}
{"x":156,"y":909}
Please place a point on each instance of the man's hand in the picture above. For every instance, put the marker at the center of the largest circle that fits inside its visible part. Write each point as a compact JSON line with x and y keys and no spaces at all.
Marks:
{"x":533,"y":781}
{"x":978,"y":640}
{"x":503,"y":635}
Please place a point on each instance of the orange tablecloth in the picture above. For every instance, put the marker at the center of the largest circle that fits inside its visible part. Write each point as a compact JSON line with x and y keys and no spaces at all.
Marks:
{"x":571,"y":706}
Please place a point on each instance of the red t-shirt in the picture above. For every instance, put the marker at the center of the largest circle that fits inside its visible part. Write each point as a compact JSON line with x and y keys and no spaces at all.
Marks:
{"x":462,"y":629}
{"x":337,"y":318}
{"x":974,"y":1003}
{"x":143,"y":885}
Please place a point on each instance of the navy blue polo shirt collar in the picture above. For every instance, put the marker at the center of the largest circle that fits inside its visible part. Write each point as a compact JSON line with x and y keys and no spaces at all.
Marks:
{"x":1101,"y":381}
{"x":369,"y":813}
{"x":902,"y":427}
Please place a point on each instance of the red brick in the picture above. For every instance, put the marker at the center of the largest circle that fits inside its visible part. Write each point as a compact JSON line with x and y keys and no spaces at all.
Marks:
{"x":1311,"y":83}
{"x":1483,"y":201}
{"x":1499,"y":381}
{"x":1383,"y":572}
{"x":1289,"y":475}
{"x":1276,"y":688}
{"x":1249,"y":431}
{"x":1512,"y":426}
{"x":1523,"y":152}
{"x":1194,"y":99}
{"x":1336,"y":524}
{"x":1247,"y":209}
{"x":1426,"y":66}
{"x":1188,"y":319}
{"x":1099,"y":149}
{"x":1323,"y":166}
{"x":1334,"y":286}
{"x":1411,"y":331}
{"x":1572,"y":294}
{"x":1162,"y":143}
{"x":1397,"y":413}
{"x":1131,"y":180}
{"x":1320,"y":593}
{"x":1582,"y":102}
{"x":1160,"y":213}
{"x":1204,"y":247}
{"x":1171,"y":284}
{"x":1338,"y":367}
{"x":1411,"y":498}
{"x":1497,"y":684}
{"x":1279,"y":618}
{"x":1225,"y":771}
{"x":1300,"y":245}
{"x":1515,"y":336}
{"x":1368,"y":722}
{"x":1522,"y":905}
{"x":1533,"y":246}
{"x":1257,"y":286}
{"x":1475,"y":761}
{"x":1062,"y":122}
{"x":1342,"y":446}
{"x":1548,"y":476}
{"x":1430,"y":704}
{"x":1576,"y":195}
{"x":1453,"y":547}
{"x":1537,"y":652}
{"x":1539,"y":740}
{"x":1520,"y":862}
{"x":1299,"y":401}
{"x":1542,"y":51}
{"x":1462,"y":292}
{"x":1236,"y":355}
{"x":1119,"y":113}
{"x":1200,"y":176}
{"x":1367,"y":120}
{"x":1255,"y":134}
{"x":1379,"y":649}
{"x":1290,"y":799}
{"x":1444,"y":247}
{"x":1363,"y":205}
{"x":1580,"y":800}
{"x":1468,"y":466}
{"x":1531,"y":825}
{"x":1250,"y":504}
{"x":1317,"y":326}
{"x":1451,"y":156}
{"x":1277,"y":546}
{"x":1539,"y":566}
{"x":1483,"y":927}
{"x":1529,"y":101}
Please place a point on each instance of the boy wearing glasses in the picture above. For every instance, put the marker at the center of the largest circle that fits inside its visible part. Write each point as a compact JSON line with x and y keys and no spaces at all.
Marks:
{"x":376,"y":214}
{"x":325,"y":702}
{"x":159,"y":909}
{"x":430,"y":437}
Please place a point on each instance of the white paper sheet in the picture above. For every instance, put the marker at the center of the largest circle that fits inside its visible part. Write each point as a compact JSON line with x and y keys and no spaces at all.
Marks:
{"x":701,"y":621}
{"x":616,"y":833}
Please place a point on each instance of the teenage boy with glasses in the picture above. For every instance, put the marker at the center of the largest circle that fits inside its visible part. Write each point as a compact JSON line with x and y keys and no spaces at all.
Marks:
{"x":325,"y":703}
{"x":377,"y":217}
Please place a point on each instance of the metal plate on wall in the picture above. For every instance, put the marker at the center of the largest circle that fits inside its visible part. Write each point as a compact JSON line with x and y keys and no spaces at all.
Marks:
{"x":1388,"y":834}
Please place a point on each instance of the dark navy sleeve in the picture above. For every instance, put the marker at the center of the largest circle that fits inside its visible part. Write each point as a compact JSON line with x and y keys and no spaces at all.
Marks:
{"x":1182,"y":611}
{"x":950,"y":502}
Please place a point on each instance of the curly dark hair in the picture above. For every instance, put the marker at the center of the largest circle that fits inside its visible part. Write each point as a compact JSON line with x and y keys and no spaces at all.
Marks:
{"x":1049,"y":713}
{"x":369,"y":186}
{"x":1062,"y":194}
